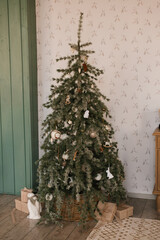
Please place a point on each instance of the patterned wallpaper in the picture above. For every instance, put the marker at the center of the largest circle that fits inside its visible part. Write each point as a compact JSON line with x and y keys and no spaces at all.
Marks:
{"x":126,"y":37}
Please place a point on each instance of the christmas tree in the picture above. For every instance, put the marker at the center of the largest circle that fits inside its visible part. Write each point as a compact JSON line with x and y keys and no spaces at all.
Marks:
{"x":80,"y":159}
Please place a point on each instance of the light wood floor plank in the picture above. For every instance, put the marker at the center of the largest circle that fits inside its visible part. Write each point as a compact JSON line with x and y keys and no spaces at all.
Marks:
{"x":39,"y":232}
{"x":20,"y":230}
{"x":61,"y":233}
{"x":6,"y":225}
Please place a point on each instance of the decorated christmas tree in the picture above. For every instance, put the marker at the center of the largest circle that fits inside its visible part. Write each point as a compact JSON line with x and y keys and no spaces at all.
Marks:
{"x":80,"y":162}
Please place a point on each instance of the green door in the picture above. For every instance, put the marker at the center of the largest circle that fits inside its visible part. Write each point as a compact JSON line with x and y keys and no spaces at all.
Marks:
{"x":18,"y":96}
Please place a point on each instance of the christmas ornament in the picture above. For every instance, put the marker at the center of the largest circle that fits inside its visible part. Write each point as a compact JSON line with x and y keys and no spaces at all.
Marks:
{"x":79,"y":70}
{"x":86,"y":114}
{"x":107,"y":144}
{"x":66,"y":124}
{"x":49,"y":196}
{"x":93,"y":134}
{"x":51,"y":140}
{"x":109,"y":174}
{"x":55,"y":134}
{"x":64,"y":136}
{"x":74,"y":109}
{"x":84,"y":67}
{"x":67,"y":100}
{"x":69,"y":122}
{"x":65,"y":156}
{"x":108,"y":128}
{"x":98,"y":177}
{"x":50,"y":184}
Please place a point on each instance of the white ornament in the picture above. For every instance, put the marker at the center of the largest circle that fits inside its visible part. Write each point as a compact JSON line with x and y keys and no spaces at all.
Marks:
{"x":107,"y":144}
{"x":98,"y":177}
{"x":109,"y":174}
{"x":69,"y":122}
{"x":93,"y":134}
{"x":108,"y":128}
{"x":64,"y":136}
{"x":50,"y":184}
{"x":66,"y":124}
{"x":86,"y":114}
{"x":79,"y":70}
{"x":34,"y":207}
{"x":55,"y":134}
{"x":49,"y":196}
{"x":65,"y":156}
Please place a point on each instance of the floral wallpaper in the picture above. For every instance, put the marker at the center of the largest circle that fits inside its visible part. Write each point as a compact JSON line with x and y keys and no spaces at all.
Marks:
{"x":126,"y":39}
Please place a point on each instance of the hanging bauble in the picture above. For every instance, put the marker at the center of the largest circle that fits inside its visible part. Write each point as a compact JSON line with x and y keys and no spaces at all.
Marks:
{"x":86,"y":114}
{"x":107,"y":144}
{"x":79,"y":70}
{"x":50,"y":184}
{"x":65,"y":156}
{"x":49,"y":196}
{"x":74,"y":109}
{"x":84,"y":67}
{"x":55,"y":134}
{"x":109,"y":174}
{"x":108,"y":128}
{"x":67,"y":100}
{"x":98,"y":177}
{"x":93,"y":134}
{"x":69,"y":122}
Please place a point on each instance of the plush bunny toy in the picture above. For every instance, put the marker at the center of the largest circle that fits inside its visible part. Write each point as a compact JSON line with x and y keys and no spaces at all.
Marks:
{"x":34,"y":207}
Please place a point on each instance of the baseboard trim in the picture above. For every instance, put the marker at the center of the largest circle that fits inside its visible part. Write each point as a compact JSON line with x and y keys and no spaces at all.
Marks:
{"x":141,"y":195}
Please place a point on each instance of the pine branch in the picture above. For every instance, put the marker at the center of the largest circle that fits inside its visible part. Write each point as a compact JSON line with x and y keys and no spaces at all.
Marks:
{"x":85,"y":44}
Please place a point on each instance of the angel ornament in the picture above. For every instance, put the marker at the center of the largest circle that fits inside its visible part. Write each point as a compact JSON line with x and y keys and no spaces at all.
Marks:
{"x":34,"y":207}
{"x":109,"y":174}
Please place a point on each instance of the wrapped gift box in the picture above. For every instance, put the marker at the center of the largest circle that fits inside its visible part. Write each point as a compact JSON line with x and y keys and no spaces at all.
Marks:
{"x":21,"y":206}
{"x":124,"y":211}
{"x":108,"y":211}
{"x":24,"y":193}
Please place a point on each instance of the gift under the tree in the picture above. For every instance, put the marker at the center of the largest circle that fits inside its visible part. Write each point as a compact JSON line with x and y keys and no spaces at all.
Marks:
{"x":107,"y":210}
{"x":24,"y":193}
{"x":124,"y":211}
{"x":21,"y":206}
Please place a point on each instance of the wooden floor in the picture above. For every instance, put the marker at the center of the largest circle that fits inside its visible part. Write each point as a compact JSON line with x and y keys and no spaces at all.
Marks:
{"x":28,"y":230}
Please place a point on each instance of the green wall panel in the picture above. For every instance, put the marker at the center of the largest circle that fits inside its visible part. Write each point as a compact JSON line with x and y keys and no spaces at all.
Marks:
{"x":18,"y":147}
{"x":6,"y":102}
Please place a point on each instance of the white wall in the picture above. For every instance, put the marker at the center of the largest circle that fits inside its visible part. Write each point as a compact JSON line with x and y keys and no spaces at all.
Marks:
{"x":126,"y":37}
